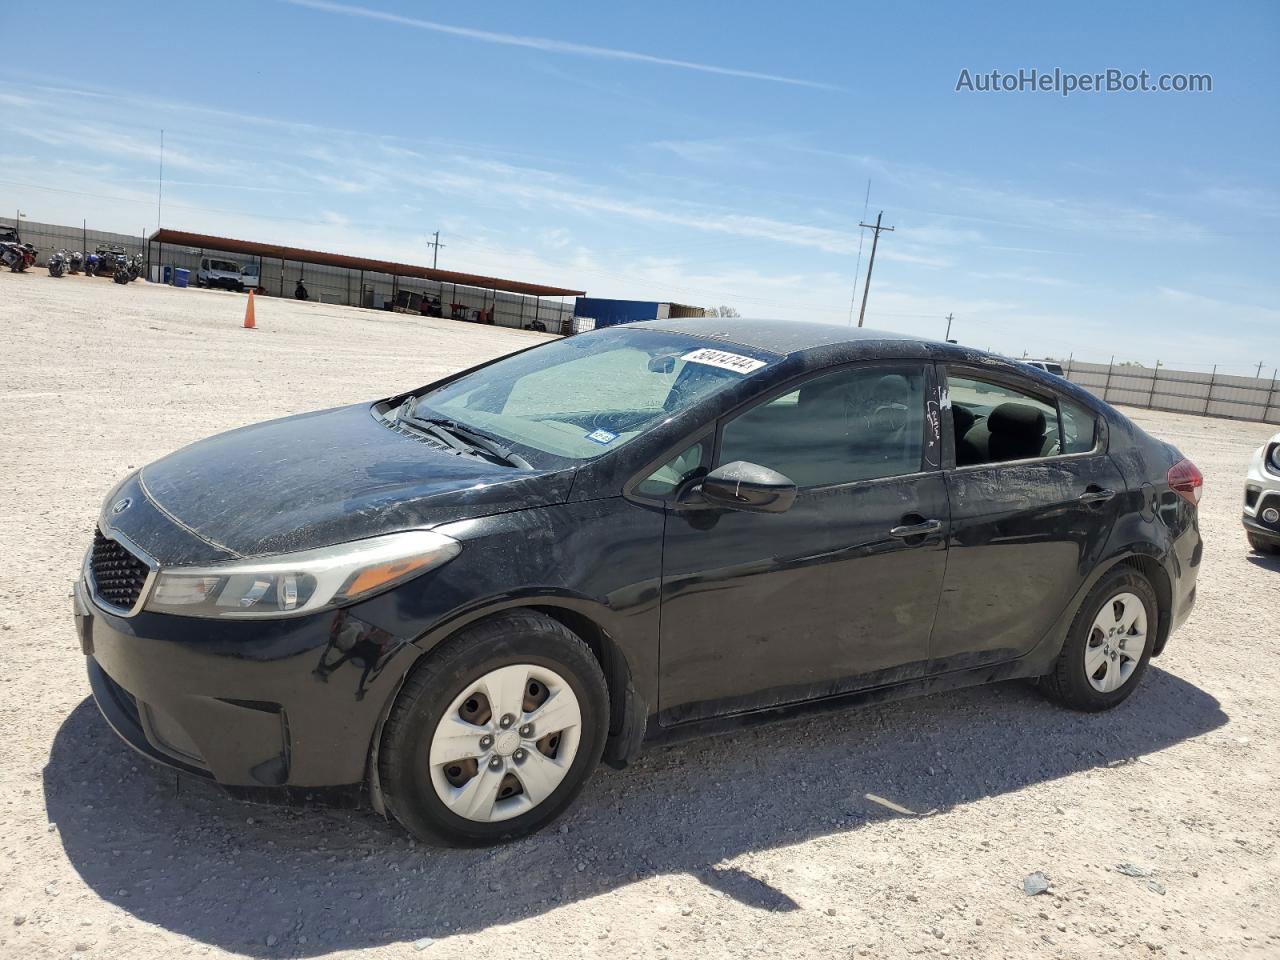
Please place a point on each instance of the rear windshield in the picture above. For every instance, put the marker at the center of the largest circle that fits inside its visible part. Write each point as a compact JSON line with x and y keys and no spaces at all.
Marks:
{"x":583,"y":396}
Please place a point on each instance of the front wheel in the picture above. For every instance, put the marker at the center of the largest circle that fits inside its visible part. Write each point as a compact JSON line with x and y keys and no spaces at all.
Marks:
{"x":1109,"y":644}
{"x":495,"y":733}
{"x":1263,"y":546}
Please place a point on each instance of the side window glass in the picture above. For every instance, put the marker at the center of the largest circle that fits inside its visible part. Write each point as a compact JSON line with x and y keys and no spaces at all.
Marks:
{"x":856,"y":424}
{"x":995,"y":423}
{"x":663,"y":481}
{"x":1079,"y":428}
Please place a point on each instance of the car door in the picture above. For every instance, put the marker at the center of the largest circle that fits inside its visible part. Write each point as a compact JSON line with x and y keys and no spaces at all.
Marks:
{"x":1033,"y":499}
{"x":839,"y":592}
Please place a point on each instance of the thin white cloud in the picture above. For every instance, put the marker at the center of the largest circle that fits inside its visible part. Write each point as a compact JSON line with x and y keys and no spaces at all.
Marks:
{"x":1213,"y":308}
{"x":548,"y":45}
{"x":1020,"y":276}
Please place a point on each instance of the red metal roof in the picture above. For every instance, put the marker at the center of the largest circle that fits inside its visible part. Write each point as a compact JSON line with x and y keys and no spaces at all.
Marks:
{"x":253,"y":248}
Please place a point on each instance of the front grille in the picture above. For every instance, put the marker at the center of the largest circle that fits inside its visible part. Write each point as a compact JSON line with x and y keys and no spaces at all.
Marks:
{"x":118,"y":576}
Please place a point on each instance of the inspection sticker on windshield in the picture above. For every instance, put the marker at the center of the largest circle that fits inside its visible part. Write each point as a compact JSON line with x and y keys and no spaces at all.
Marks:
{"x":724,"y":360}
{"x":601,"y":436}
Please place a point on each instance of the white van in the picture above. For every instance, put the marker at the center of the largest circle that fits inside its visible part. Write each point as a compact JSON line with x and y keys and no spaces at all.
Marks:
{"x":215,"y":272}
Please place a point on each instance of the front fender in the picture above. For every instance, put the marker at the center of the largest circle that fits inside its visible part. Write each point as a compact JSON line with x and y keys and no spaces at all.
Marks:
{"x":593,"y":565}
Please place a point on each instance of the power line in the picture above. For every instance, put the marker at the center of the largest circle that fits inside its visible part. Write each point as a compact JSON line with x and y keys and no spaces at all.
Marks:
{"x":875,"y":239}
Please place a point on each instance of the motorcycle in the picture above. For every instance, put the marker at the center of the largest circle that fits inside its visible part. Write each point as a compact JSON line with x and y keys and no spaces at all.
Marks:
{"x":128,"y":269}
{"x":91,"y":265}
{"x":124,"y":272}
{"x":58,"y":263}
{"x":76,"y":263}
{"x":11,"y":255}
{"x":18,"y":256}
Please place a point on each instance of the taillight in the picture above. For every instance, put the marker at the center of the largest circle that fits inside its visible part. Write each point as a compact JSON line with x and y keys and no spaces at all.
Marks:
{"x":1186,"y":480}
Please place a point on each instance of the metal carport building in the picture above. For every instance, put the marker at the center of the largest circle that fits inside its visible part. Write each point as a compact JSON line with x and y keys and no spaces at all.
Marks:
{"x":367,"y":282}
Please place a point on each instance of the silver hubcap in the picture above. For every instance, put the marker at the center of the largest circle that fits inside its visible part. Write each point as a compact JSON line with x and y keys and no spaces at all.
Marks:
{"x":1116,"y":642}
{"x":505,"y":743}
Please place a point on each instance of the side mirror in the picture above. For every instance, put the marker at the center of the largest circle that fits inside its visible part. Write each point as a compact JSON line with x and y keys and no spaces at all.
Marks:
{"x":748,"y":486}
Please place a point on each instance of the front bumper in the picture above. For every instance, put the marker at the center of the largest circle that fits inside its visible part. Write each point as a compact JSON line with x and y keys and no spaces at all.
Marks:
{"x":1261,"y":529}
{"x":1261,"y":496}
{"x":270,"y":709}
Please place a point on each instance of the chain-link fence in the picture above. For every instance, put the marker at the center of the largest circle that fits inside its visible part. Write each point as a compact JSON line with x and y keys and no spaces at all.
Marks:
{"x":48,"y":238}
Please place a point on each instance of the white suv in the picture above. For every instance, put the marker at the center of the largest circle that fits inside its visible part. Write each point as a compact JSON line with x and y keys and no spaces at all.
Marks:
{"x":1048,"y":366}
{"x":1262,"y":498}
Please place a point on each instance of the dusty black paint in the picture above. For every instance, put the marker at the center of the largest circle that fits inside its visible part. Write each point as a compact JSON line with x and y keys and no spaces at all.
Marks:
{"x":702,"y":616}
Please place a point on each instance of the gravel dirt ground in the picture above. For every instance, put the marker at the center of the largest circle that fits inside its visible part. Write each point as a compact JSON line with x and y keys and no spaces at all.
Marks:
{"x":897,"y":830}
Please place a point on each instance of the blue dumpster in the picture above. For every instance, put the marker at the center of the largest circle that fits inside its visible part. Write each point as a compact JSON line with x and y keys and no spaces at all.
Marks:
{"x":181,"y":276}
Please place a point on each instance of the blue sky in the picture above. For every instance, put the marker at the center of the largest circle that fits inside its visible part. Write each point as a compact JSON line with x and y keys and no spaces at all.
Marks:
{"x":703,"y":153}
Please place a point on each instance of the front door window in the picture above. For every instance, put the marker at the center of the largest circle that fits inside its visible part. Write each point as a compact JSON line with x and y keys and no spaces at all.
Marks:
{"x":856,"y":424}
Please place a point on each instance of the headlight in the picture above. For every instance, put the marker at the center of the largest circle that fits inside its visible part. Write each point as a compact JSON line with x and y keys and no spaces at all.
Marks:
{"x":297,"y":583}
{"x":1273,"y":459}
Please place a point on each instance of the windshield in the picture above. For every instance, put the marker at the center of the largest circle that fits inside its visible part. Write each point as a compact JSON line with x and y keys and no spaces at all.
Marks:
{"x":583,"y":396}
{"x":224,"y":265}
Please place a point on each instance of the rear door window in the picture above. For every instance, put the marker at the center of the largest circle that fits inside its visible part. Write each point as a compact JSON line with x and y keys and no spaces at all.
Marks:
{"x":995,"y":423}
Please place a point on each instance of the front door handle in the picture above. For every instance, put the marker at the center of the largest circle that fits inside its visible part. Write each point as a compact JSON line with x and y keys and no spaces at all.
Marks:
{"x":1096,"y":495}
{"x":910,"y":530}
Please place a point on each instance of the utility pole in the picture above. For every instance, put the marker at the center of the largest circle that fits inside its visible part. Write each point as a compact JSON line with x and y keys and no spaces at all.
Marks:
{"x":866,"y":287}
{"x":160,"y":183}
{"x":435,"y":249}
{"x":950,"y":317}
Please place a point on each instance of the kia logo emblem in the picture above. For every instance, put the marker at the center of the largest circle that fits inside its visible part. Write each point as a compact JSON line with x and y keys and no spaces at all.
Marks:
{"x":121,"y":506}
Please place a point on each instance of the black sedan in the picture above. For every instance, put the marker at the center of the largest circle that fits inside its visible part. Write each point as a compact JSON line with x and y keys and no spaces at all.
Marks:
{"x":455,"y":601}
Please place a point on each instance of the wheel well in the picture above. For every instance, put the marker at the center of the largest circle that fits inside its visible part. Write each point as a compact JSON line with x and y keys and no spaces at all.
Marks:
{"x":613,"y":663}
{"x":1159,"y":581}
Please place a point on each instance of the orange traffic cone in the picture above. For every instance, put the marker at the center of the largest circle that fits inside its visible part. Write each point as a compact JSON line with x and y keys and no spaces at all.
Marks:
{"x":249,"y":322}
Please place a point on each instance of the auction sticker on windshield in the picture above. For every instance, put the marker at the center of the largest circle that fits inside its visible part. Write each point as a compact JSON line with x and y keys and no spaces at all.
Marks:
{"x":602,"y":436}
{"x":735,"y":362}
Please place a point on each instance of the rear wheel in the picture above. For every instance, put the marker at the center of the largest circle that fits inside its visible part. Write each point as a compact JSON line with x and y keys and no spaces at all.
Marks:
{"x":1263,"y":546}
{"x":495,"y":733}
{"x":1109,"y":643}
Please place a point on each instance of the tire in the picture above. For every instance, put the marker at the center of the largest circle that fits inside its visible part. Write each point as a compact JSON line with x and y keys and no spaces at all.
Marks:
{"x":1258,"y":545}
{"x":430,"y":799}
{"x":1071,"y":681}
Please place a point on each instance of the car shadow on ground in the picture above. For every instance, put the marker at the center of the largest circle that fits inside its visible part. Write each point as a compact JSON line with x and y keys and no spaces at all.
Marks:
{"x":276,"y":882}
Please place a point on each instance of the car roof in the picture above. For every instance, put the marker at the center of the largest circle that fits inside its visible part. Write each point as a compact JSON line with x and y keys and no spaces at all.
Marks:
{"x":819,"y":344}
{"x":783,"y":337}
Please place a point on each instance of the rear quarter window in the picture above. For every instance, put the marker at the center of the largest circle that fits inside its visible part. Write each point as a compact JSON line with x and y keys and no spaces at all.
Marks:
{"x":1079,"y":428}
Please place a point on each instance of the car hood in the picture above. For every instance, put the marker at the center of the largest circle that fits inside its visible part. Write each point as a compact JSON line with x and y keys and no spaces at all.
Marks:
{"x":327,"y":477}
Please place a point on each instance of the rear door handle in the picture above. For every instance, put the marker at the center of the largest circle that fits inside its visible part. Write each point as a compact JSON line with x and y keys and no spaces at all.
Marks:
{"x":1096,"y":495}
{"x":916,"y":529}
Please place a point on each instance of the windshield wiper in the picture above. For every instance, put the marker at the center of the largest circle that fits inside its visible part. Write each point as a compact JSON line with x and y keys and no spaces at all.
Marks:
{"x":464,"y":439}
